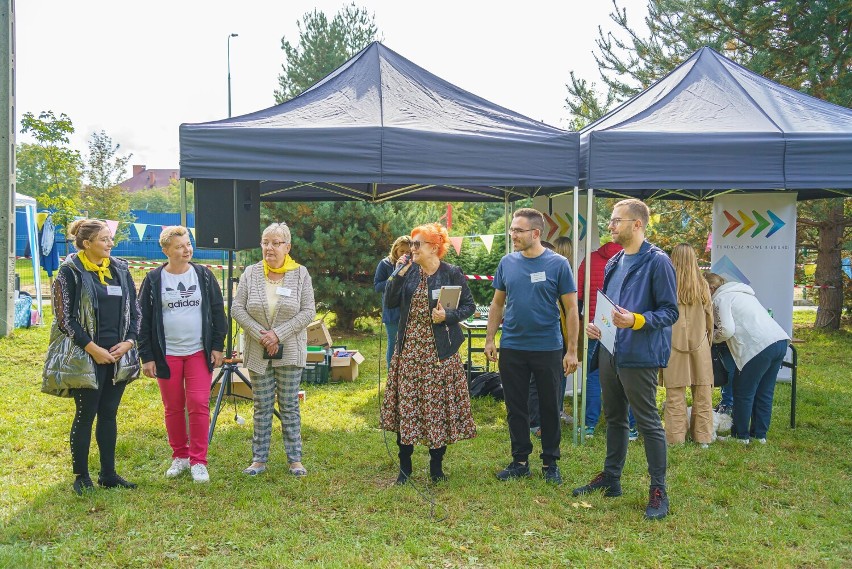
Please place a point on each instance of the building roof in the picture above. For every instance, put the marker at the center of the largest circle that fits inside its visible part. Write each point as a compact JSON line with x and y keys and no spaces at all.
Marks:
{"x":147,"y":179}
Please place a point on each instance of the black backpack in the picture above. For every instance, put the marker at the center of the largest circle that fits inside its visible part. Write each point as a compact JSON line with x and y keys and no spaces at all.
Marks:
{"x":487,"y":383}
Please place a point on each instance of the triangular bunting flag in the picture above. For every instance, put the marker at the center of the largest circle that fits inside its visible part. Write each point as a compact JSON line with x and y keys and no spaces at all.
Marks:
{"x":457,"y":243}
{"x":488,"y":240}
{"x":192,"y":230}
{"x":112,"y":226}
{"x":140,"y":229}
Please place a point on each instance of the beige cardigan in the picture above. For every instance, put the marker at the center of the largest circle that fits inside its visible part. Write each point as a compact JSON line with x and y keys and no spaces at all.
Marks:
{"x":290,"y":321}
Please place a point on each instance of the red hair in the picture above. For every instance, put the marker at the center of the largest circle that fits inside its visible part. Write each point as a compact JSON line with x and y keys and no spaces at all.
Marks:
{"x":436,"y":234}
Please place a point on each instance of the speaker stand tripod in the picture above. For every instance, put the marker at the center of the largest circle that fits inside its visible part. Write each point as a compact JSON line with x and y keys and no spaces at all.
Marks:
{"x":230,"y":364}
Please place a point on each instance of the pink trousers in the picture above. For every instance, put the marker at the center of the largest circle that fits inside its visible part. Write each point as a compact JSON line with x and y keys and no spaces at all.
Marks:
{"x":187,"y":391}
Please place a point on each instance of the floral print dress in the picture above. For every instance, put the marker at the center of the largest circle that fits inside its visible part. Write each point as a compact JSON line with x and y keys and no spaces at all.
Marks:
{"x":426,"y":399}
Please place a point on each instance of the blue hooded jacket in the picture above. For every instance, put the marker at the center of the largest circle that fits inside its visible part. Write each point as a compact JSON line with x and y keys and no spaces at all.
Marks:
{"x":649,"y":289}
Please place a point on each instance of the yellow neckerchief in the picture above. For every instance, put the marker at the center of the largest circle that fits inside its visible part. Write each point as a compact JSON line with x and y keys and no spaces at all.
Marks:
{"x":289,"y":265}
{"x":102,"y":269}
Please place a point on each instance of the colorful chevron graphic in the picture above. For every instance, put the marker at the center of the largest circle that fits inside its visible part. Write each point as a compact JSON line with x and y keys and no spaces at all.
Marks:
{"x":561,"y":225}
{"x":745,"y":222}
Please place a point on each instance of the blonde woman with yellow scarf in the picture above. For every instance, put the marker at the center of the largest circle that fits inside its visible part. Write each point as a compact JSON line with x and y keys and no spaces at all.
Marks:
{"x":274,"y":305}
{"x":96,"y":322}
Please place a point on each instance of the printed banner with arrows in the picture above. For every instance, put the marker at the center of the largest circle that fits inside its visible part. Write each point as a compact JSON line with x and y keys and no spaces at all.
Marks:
{"x":754,"y":242}
{"x":559,"y":219}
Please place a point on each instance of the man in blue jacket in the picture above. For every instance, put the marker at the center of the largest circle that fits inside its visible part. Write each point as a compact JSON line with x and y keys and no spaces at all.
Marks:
{"x":641,"y":283}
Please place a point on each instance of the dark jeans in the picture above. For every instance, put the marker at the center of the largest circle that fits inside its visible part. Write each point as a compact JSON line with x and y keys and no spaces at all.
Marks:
{"x":593,"y":393}
{"x":638,"y":387}
{"x":101,"y":403}
{"x":728,"y":388}
{"x":516,"y":366}
{"x":754,"y":391}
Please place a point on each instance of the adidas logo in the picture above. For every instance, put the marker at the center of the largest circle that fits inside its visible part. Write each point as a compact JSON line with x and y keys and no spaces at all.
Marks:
{"x":184,"y":292}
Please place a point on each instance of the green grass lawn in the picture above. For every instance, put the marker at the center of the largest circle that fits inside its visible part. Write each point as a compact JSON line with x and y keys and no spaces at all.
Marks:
{"x":785,"y":504}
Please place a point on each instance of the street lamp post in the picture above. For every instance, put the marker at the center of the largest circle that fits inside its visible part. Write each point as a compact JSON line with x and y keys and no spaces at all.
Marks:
{"x":229,"y":72}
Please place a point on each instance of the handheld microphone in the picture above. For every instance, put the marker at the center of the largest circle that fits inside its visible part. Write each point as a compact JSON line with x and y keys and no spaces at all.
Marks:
{"x":399,"y":268}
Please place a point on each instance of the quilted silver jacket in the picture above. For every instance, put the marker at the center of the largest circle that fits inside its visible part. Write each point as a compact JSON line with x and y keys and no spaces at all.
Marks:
{"x":67,"y":365}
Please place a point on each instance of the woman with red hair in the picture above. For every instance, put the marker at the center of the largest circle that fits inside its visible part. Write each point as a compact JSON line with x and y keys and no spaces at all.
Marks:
{"x":426,"y":398}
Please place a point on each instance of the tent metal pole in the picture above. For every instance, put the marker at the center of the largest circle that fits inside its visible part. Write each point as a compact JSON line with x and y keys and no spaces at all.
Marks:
{"x":183,"y":201}
{"x":576,"y":375}
{"x":507,"y":220}
{"x":590,"y":199}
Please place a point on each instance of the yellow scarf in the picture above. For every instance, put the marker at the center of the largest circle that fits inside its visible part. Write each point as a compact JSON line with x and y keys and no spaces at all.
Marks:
{"x":289,"y":265}
{"x":102,"y":269}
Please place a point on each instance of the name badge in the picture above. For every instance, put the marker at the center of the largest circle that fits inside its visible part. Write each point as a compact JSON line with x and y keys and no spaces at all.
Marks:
{"x":283,"y":291}
{"x":113,"y":290}
{"x":435,"y":293}
{"x":537,"y":277}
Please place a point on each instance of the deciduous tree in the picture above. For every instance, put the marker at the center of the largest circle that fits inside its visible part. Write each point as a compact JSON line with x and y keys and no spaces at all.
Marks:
{"x":103,"y":197}
{"x":49,"y":170}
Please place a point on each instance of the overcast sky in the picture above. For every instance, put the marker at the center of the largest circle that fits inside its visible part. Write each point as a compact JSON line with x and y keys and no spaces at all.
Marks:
{"x":137,"y":70}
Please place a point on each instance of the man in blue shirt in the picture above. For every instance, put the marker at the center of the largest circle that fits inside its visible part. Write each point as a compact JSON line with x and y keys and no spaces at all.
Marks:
{"x":528,"y":286}
{"x":640,"y":281}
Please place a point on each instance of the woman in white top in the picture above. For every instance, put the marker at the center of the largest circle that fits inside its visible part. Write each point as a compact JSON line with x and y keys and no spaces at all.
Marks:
{"x":758,"y":345}
{"x":181,"y":340}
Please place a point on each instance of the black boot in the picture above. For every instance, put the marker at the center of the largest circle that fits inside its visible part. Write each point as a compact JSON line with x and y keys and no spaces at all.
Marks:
{"x":114,"y":481}
{"x":83,"y":483}
{"x":405,"y":452}
{"x":436,"y":462}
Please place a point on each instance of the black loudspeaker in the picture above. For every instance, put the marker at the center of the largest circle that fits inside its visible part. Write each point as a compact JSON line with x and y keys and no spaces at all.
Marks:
{"x":227,"y":214}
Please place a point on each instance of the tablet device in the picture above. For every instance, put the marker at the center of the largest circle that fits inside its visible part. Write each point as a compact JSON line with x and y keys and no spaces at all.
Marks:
{"x":449,"y":297}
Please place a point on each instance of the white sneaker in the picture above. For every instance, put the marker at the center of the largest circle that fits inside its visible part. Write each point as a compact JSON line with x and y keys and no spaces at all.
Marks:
{"x":178,"y":466}
{"x":743,"y":441}
{"x":199,"y":473}
{"x":762,"y":441}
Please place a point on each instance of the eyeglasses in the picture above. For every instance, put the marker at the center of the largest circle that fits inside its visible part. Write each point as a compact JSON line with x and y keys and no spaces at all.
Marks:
{"x":103,"y":240}
{"x":417,"y":244}
{"x":617,"y":220}
{"x":274,"y":244}
{"x":516,"y":230}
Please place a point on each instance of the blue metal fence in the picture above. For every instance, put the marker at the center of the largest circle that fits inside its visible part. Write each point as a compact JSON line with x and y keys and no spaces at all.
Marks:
{"x":145,"y":246}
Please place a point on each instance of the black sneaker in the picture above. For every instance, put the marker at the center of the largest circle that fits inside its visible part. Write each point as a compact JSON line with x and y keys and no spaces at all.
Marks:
{"x":610,"y":486}
{"x":83,"y":484}
{"x":658,"y":504}
{"x":514,"y":470}
{"x":551,"y":474}
{"x":114,"y":481}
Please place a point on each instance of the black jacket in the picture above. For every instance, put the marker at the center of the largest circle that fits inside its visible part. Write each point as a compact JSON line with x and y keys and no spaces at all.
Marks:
{"x":448,"y":334}
{"x":152,"y":338}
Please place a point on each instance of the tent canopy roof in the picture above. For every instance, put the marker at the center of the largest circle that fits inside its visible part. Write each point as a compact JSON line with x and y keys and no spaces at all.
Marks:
{"x":711,"y":124}
{"x":21,"y":200}
{"x":378,"y":128}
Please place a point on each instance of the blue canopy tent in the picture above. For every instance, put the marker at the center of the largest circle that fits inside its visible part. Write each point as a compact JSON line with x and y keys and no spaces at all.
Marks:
{"x":712,"y":126}
{"x":381,"y":128}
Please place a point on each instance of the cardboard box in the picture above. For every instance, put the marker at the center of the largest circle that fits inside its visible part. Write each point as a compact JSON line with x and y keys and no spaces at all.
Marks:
{"x":238,"y":388}
{"x":318,"y":334}
{"x":316,"y":357}
{"x":345,"y":368}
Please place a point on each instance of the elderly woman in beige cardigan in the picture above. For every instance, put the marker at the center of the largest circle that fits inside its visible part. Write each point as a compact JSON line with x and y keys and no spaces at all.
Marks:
{"x":274,"y":305}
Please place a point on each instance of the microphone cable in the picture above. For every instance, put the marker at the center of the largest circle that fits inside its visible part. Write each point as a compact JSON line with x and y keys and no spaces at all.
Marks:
{"x":425,"y":492}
